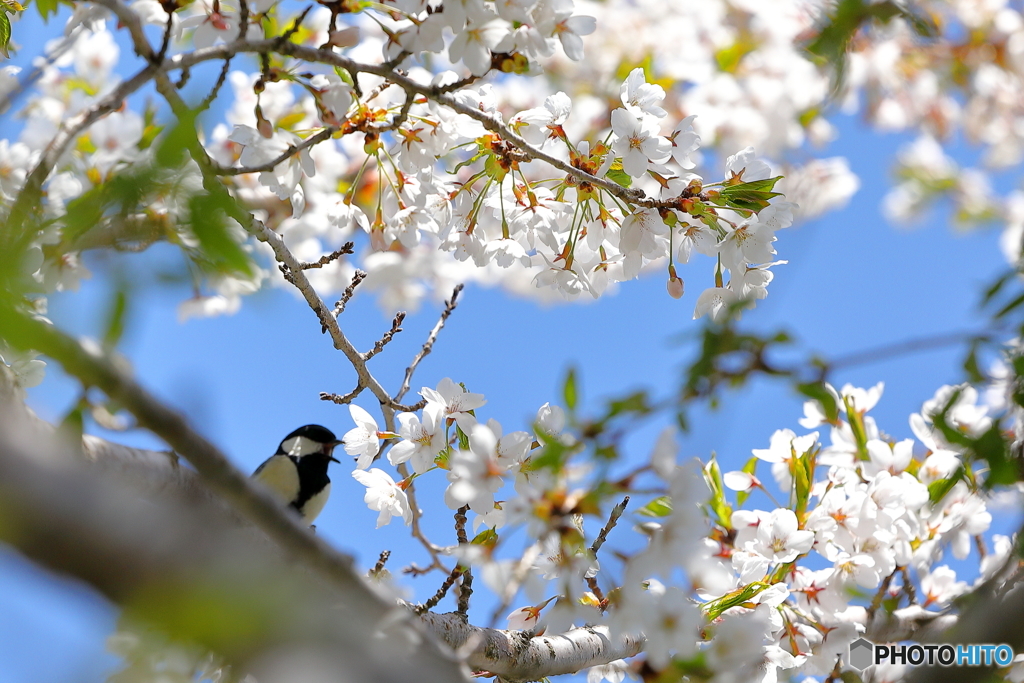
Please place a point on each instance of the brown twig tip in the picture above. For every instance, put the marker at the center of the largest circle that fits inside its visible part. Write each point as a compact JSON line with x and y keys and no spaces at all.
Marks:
{"x":339,"y":399}
{"x":908,"y":586}
{"x":460,"y":524}
{"x":465,"y":591}
{"x":441,"y":592}
{"x":346,"y":296}
{"x":381,"y":561}
{"x":396,"y":327}
{"x":596,"y":590}
{"x":428,"y":345}
{"x":346,"y":248}
{"x":613,"y":519}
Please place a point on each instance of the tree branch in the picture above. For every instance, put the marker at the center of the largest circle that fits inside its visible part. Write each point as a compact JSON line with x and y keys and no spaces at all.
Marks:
{"x":515,"y":656}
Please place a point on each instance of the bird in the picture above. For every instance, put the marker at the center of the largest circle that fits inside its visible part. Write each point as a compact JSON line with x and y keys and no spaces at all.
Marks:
{"x":297,"y":472}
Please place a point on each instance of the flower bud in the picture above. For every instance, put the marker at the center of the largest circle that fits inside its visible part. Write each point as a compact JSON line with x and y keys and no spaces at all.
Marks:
{"x":675,"y":287}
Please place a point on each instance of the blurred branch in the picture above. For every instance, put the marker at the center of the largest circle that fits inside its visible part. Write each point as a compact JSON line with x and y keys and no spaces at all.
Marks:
{"x":902,"y":348}
{"x":183,"y":567}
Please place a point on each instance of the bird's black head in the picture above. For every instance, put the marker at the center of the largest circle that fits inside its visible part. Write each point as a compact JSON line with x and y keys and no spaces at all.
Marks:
{"x":309,"y":440}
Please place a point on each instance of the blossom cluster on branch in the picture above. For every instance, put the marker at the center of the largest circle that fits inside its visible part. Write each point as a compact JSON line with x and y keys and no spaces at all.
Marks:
{"x":866,"y":522}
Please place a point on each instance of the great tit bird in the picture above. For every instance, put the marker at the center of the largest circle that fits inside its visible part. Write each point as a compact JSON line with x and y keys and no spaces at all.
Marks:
{"x":297,"y":473}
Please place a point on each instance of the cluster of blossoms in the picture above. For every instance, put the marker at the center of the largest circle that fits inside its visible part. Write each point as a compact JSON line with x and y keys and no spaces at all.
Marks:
{"x":520,"y":208}
{"x":869,"y":521}
{"x":739,"y":67}
{"x":565,"y":235}
{"x":742,"y":67}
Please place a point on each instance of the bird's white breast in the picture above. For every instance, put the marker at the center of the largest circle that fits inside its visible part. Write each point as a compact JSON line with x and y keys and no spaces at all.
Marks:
{"x":280,"y":475}
{"x":315,"y":504}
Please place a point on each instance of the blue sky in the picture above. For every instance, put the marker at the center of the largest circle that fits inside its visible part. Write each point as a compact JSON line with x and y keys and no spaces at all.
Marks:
{"x":853,"y":282}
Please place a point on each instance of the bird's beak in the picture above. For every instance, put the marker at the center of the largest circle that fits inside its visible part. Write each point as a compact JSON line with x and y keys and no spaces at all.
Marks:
{"x":329,"y":450}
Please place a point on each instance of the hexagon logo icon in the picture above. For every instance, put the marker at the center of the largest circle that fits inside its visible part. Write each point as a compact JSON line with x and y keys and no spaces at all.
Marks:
{"x":861,"y":654}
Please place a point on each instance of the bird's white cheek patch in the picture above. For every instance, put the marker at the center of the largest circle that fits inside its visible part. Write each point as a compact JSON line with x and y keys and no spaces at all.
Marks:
{"x":315,"y":504}
{"x":300,"y":445}
{"x":280,"y":475}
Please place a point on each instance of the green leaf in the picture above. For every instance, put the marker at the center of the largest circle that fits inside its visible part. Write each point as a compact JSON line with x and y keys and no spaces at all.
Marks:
{"x":803,"y":479}
{"x":990,"y":447}
{"x":860,"y":435}
{"x":715,"y":608}
{"x":487,"y":537}
{"x":659,"y":507}
{"x":617,"y":175}
{"x":462,"y":437}
{"x":938,"y":489}
{"x":993,"y":289}
{"x":46,"y":8}
{"x":719,"y":506}
{"x":72,"y":426}
{"x":172,"y":149}
{"x":116,"y":318}
{"x":818,"y":392}
{"x":553,"y":453}
{"x":1010,"y":307}
{"x":850,"y":676}
{"x":750,"y":468}
{"x":850,"y":15}
{"x":971,"y":367}
{"x":569,"y":394}
{"x":208,"y":217}
{"x":5,"y":34}
{"x":634,"y":403}
{"x":752,"y":196}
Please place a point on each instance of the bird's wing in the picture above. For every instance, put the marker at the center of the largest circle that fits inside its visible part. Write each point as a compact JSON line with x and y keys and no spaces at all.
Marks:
{"x":279,"y":474}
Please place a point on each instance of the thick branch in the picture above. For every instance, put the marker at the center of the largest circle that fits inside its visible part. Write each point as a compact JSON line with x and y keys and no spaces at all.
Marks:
{"x":515,"y":656}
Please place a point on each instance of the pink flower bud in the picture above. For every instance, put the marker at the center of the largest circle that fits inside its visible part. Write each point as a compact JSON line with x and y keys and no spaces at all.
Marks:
{"x":675,"y":287}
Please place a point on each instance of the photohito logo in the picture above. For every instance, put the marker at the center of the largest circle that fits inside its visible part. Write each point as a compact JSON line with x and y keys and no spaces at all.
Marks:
{"x":863,"y":653}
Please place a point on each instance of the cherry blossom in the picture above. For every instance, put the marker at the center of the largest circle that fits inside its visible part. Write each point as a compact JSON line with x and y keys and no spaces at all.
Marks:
{"x":384,"y":495}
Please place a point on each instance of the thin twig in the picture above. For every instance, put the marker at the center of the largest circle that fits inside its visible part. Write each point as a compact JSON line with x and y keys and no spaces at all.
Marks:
{"x":324,"y":134}
{"x":596,"y":590}
{"x":215,"y":90}
{"x":346,"y":248}
{"x":908,"y":586}
{"x":466,"y":584}
{"x":346,"y":296}
{"x":876,"y":601}
{"x":613,"y":519}
{"x":460,"y":525}
{"x":441,"y":592}
{"x":428,"y":346}
{"x":465,"y":592}
{"x":396,"y":327}
{"x":417,"y":530}
{"x":342,"y":400}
